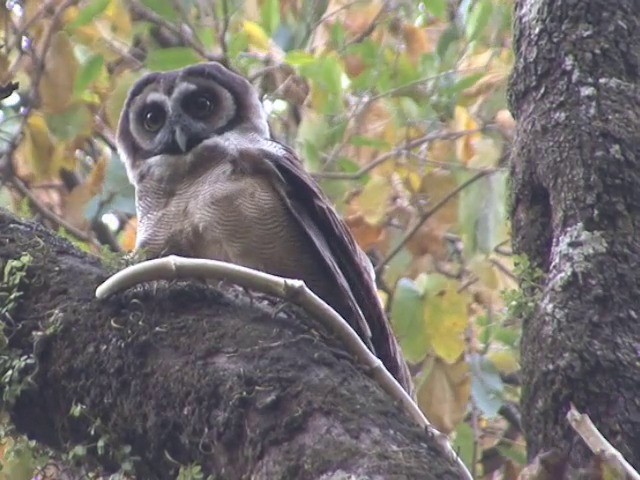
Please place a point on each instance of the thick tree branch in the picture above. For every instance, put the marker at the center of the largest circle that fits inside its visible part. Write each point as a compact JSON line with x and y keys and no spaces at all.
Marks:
{"x":186,"y":374}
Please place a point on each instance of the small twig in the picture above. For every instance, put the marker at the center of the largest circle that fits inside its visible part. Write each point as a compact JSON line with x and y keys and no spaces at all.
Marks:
{"x":174,"y":267}
{"x":222,"y":38}
{"x":48,"y":214}
{"x":428,"y":215}
{"x":439,"y":135}
{"x":596,"y":442}
{"x":151,"y":16}
{"x":503,"y":269}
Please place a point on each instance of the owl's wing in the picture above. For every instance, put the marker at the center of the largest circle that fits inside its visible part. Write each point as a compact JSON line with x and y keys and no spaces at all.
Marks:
{"x":347,"y":263}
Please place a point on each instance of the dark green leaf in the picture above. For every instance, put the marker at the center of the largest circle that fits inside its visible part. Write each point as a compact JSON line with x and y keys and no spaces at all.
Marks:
{"x":437,"y":8}
{"x":171,"y":58}
{"x":69,"y":124}
{"x":406,"y":316}
{"x":88,"y":73}
{"x":164,"y":8}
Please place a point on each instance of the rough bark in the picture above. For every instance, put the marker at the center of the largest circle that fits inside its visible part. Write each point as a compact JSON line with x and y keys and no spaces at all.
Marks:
{"x":576,"y":211}
{"x":187,"y":374}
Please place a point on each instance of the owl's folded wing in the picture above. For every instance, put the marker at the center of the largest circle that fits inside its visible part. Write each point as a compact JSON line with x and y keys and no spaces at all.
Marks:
{"x":346,"y":262}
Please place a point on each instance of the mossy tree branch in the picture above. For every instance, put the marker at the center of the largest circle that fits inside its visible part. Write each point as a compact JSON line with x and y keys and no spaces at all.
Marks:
{"x":179,"y":374}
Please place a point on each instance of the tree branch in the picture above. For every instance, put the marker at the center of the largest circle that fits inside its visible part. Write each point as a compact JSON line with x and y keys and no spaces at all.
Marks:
{"x":172,"y":375}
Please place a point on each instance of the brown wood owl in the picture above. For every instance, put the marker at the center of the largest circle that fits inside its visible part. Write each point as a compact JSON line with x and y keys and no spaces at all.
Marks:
{"x":211,"y":183}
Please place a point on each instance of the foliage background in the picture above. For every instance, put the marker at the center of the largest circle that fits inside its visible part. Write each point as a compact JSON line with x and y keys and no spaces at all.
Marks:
{"x":397,"y":107}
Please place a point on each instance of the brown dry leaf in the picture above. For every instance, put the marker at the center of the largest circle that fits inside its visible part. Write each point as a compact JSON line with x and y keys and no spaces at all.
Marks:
{"x":61,"y":67}
{"x":128,"y":238}
{"x":429,"y":239}
{"x":417,"y":41}
{"x":441,"y":151}
{"x":368,"y":236}
{"x":77,"y":200}
{"x":4,"y":69}
{"x":354,"y":65}
{"x":444,"y":395}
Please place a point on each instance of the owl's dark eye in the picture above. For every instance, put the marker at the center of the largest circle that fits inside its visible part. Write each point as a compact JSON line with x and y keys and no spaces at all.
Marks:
{"x":153,"y":117}
{"x":198,"y":104}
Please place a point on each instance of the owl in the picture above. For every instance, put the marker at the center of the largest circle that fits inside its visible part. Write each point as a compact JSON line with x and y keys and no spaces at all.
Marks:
{"x":210,"y":182}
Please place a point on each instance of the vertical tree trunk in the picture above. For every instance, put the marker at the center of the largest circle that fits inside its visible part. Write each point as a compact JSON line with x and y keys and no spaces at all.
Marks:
{"x":576,"y":211}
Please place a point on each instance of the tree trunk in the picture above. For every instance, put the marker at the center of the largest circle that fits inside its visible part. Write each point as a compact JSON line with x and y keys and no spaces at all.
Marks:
{"x":184,"y":374}
{"x":576,"y":211}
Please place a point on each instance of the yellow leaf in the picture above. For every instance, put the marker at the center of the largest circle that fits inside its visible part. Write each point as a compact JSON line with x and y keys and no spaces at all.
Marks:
{"x":119,"y":20}
{"x":374,"y":198}
{"x":504,"y":360}
{"x":258,"y":38}
{"x":444,"y":394}
{"x":465,"y":145}
{"x":61,"y":67}
{"x":446,"y":317}
{"x":37,"y":149}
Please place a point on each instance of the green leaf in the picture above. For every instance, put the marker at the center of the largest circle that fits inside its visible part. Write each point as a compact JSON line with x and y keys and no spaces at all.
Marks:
{"x":486,"y":385}
{"x":89,"y":73}
{"x":467,"y":82}
{"x":71,"y":123}
{"x":361,"y":141}
{"x":437,"y":8}
{"x":164,"y":8}
{"x":464,"y":443}
{"x":171,"y":58}
{"x":478,"y":19}
{"x":89,"y":12}
{"x":406,"y":317}
{"x":446,"y":42}
{"x":297,"y":58}
{"x":482,"y":210}
{"x":270,"y":16}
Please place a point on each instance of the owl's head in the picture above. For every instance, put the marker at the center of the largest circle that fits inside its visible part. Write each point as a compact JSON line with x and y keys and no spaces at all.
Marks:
{"x":171,"y":113}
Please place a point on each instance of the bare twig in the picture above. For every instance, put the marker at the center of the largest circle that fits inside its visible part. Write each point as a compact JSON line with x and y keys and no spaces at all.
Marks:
{"x":174,"y":267}
{"x":48,"y":214}
{"x":153,"y":17}
{"x":439,"y":135}
{"x":428,"y":215}
{"x":599,"y":445}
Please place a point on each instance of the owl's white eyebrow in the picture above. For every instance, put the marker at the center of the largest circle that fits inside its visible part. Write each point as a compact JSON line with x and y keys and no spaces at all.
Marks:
{"x":158,"y":98}
{"x":184,"y":87}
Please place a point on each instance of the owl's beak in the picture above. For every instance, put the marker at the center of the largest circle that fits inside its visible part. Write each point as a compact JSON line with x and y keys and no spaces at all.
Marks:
{"x":181,"y":139}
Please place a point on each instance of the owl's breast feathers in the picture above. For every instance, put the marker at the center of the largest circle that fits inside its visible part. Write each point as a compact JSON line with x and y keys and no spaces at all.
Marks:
{"x":261,"y":209}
